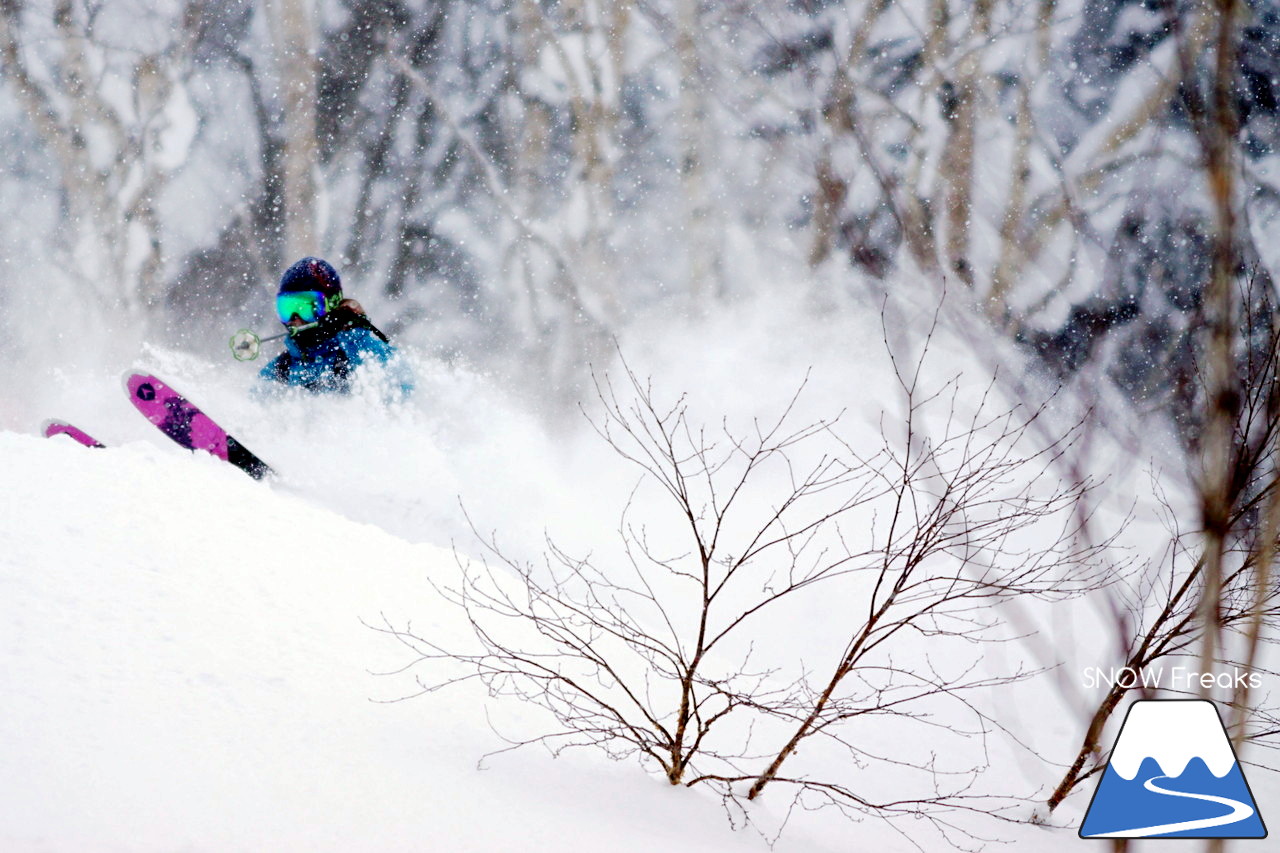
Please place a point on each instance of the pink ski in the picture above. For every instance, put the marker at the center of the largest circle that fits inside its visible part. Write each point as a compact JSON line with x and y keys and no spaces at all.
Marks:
{"x":52,"y":428}
{"x":182,"y":421}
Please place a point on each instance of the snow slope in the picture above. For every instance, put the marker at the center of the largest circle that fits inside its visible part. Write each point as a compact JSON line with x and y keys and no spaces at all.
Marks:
{"x":184,"y":666}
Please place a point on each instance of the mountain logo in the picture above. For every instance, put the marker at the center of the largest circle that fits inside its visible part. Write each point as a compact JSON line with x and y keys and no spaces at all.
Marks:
{"x":1173,"y":774}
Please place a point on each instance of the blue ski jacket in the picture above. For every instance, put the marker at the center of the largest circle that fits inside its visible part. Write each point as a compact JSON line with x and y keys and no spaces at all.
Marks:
{"x":323,"y":359}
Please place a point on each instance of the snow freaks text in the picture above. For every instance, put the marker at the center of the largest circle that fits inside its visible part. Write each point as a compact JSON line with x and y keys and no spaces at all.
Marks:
{"x":1170,"y":678}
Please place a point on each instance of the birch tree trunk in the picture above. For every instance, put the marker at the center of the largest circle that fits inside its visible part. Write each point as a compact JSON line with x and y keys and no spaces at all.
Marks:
{"x":958,"y":156}
{"x":1223,"y":396}
{"x":1013,"y":254}
{"x":693,"y":150}
{"x":292,"y":24}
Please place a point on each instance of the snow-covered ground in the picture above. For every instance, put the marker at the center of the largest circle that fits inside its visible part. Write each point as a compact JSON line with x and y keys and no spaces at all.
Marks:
{"x":185,"y":667}
{"x":187,"y":660}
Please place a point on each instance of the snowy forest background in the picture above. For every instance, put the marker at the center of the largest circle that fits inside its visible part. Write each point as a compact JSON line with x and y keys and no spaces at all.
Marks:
{"x":1075,"y":200}
{"x":513,"y":182}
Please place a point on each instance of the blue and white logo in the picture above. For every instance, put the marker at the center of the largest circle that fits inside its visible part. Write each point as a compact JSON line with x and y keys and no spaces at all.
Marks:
{"x":1173,"y":774}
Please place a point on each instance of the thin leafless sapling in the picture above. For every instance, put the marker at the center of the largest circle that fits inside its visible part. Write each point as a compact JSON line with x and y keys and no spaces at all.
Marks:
{"x":744,"y":554}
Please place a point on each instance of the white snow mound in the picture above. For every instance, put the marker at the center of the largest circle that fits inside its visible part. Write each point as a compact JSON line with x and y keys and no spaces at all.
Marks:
{"x":186,"y":665}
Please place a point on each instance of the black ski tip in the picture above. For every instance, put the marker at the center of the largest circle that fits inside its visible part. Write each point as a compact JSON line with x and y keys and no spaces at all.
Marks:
{"x":240,"y":457}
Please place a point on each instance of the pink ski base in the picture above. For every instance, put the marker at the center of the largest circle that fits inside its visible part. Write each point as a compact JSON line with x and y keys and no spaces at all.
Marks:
{"x":53,"y":428}
{"x":175,"y":416}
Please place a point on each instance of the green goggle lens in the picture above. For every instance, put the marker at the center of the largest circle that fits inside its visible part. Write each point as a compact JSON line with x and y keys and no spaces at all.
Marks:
{"x":309,"y":306}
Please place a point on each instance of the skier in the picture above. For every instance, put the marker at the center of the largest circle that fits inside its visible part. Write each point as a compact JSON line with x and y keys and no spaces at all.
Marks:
{"x":329,"y":335}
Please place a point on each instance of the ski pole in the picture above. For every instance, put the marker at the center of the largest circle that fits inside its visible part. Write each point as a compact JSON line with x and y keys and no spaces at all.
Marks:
{"x":245,"y":344}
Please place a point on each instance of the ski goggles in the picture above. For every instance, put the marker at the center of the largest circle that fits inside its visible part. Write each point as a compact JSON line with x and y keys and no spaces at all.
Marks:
{"x":308,"y":305}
